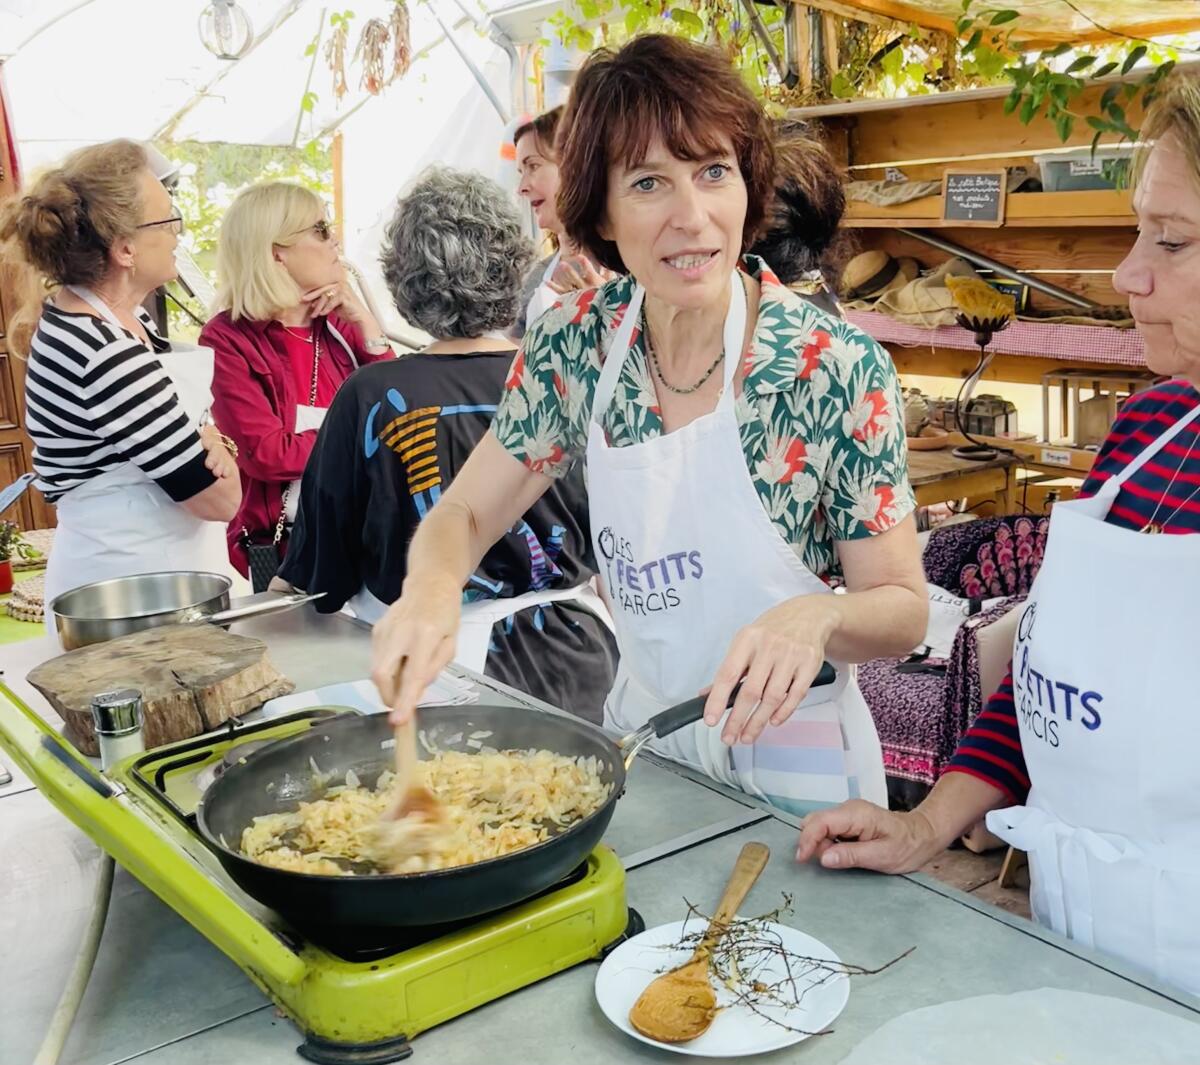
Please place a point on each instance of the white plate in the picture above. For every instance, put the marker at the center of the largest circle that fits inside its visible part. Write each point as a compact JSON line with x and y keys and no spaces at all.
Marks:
{"x":737,"y":1030}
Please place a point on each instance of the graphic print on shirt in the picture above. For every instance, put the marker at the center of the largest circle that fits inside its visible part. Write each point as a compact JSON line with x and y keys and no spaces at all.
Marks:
{"x":1051,"y":709}
{"x":412,"y":435}
{"x":649,"y":586}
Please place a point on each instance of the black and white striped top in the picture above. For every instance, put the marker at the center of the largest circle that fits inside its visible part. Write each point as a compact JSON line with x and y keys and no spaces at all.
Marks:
{"x":96,"y":397}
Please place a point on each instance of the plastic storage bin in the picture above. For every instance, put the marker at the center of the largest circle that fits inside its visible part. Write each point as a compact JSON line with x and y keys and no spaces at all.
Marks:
{"x":1079,"y":170}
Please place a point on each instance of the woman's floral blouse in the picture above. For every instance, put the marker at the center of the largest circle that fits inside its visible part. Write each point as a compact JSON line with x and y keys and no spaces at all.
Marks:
{"x":819,"y":412}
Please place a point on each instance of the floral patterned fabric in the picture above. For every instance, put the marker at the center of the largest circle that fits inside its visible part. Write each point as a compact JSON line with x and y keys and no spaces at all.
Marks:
{"x":921,"y":717}
{"x":818,"y":411}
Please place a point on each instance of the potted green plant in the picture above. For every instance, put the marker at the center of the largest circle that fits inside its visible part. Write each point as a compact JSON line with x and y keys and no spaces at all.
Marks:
{"x":11,"y":545}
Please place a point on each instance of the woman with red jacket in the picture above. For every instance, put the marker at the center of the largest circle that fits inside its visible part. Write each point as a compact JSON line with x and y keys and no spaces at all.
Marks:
{"x":288,"y":332}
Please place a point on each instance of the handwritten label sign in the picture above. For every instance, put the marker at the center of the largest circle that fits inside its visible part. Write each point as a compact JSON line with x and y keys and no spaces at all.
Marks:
{"x":974,"y":197}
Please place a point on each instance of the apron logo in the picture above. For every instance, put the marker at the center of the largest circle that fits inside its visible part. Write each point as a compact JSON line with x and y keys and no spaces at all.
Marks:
{"x":649,"y":588}
{"x":1042,"y":702}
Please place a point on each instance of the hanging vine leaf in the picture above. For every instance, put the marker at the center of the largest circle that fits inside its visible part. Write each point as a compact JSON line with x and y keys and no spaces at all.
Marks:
{"x":1082,"y":63}
{"x":1133,"y":58}
{"x":1001,"y":17}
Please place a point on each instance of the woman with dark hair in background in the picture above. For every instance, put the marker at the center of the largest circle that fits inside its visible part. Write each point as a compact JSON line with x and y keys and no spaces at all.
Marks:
{"x":802,"y":242}
{"x":399,"y":431}
{"x":738,"y":445}
{"x":567,"y":268}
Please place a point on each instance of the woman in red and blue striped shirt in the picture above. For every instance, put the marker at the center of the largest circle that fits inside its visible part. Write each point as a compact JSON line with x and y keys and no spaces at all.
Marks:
{"x":1085,"y":756}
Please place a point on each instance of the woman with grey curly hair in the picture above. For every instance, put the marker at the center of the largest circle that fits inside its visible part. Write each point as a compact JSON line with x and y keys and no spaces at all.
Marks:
{"x":453,"y":257}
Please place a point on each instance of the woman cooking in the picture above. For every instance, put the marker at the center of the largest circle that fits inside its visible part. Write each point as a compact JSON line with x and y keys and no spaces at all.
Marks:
{"x":567,"y":268}
{"x":289,"y":331}
{"x":116,"y":413}
{"x":736,"y":444}
{"x":1095,"y":729}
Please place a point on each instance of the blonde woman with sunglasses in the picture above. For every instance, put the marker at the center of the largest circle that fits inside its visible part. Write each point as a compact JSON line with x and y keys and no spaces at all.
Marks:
{"x":288,"y":331}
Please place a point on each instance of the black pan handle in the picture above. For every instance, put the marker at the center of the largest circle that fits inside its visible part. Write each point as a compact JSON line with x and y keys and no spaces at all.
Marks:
{"x":676,"y":717}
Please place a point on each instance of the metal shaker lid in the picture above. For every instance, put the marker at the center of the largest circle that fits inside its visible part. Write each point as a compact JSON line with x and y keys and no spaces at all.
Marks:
{"x":117,"y":713}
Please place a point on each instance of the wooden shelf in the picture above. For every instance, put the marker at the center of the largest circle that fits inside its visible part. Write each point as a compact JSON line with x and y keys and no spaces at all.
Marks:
{"x":1099,"y":207}
{"x":1060,"y":459}
{"x":954,"y":363}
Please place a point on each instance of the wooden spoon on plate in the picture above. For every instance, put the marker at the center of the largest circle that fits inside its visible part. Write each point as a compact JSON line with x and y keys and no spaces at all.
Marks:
{"x":679,"y":1006}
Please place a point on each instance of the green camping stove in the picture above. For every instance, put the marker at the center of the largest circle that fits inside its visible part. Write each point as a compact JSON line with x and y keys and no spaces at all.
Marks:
{"x":350,"y":1004}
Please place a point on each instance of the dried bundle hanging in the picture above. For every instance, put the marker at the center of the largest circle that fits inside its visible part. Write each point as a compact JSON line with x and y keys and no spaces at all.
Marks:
{"x":401,"y":29}
{"x":335,"y":56}
{"x":371,"y":50}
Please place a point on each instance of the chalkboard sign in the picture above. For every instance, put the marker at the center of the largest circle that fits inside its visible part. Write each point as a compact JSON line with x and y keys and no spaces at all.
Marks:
{"x":974,"y":197}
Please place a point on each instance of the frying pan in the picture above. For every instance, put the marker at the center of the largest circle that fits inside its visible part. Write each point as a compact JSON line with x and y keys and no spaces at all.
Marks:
{"x":276,"y":777}
{"x":105,"y":610}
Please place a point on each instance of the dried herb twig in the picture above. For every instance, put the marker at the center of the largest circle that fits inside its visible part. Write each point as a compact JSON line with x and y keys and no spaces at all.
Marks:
{"x":750,"y":955}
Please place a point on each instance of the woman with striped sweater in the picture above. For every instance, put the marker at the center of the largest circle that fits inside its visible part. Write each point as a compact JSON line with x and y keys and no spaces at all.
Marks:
{"x":1085,"y":758}
{"x":116,"y":414}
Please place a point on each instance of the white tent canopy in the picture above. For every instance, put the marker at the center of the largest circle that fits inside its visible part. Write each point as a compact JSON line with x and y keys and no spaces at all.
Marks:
{"x":82,"y":71}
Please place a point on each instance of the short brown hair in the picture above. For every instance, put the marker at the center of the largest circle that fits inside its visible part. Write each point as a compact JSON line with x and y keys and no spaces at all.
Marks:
{"x":801,"y":232}
{"x":665,"y":86}
{"x":66,"y":223}
{"x":544,"y":129}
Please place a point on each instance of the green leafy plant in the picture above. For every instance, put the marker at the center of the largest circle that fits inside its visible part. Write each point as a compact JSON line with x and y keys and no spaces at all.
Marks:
{"x":1049,"y":82}
{"x":882,"y":60}
{"x":12,"y":545}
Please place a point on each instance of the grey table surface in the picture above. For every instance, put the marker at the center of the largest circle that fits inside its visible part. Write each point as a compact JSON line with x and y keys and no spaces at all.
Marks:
{"x":162,"y":994}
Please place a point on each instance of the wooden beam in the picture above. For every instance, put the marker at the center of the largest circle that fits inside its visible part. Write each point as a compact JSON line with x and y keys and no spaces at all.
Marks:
{"x":829,"y":42}
{"x":894,"y":10}
{"x":955,"y":364}
{"x":1097,"y":207}
{"x":802,"y":35}
{"x":339,"y":184}
{"x":852,"y":11}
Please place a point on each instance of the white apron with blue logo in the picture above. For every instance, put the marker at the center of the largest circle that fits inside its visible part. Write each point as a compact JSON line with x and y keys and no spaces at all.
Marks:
{"x":1104,"y":678}
{"x":688,"y":557}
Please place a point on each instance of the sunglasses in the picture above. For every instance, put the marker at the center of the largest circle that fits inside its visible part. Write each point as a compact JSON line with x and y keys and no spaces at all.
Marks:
{"x":323,"y":228}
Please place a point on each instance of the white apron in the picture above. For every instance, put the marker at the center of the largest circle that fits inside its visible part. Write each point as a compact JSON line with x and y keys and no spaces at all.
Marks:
{"x":478,"y":618}
{"x":690,"y":557}
{"x":121,"y":523}
{"x":311,"y":418}
{"x":1104,"y":678}
{"x":544,"y":297}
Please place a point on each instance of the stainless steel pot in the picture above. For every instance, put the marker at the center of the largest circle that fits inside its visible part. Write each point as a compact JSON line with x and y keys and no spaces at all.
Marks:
{"x":105,"y":610}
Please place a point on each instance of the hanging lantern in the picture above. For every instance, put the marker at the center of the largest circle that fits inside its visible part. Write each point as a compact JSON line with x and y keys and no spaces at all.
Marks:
{"x":225,"y":29}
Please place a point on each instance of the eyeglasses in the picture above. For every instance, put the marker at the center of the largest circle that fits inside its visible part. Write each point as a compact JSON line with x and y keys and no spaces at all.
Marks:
{"x":175,"y":222}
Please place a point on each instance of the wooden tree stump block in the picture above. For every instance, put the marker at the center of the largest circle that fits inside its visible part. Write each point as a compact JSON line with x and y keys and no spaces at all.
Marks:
{"x":192,"y":678}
